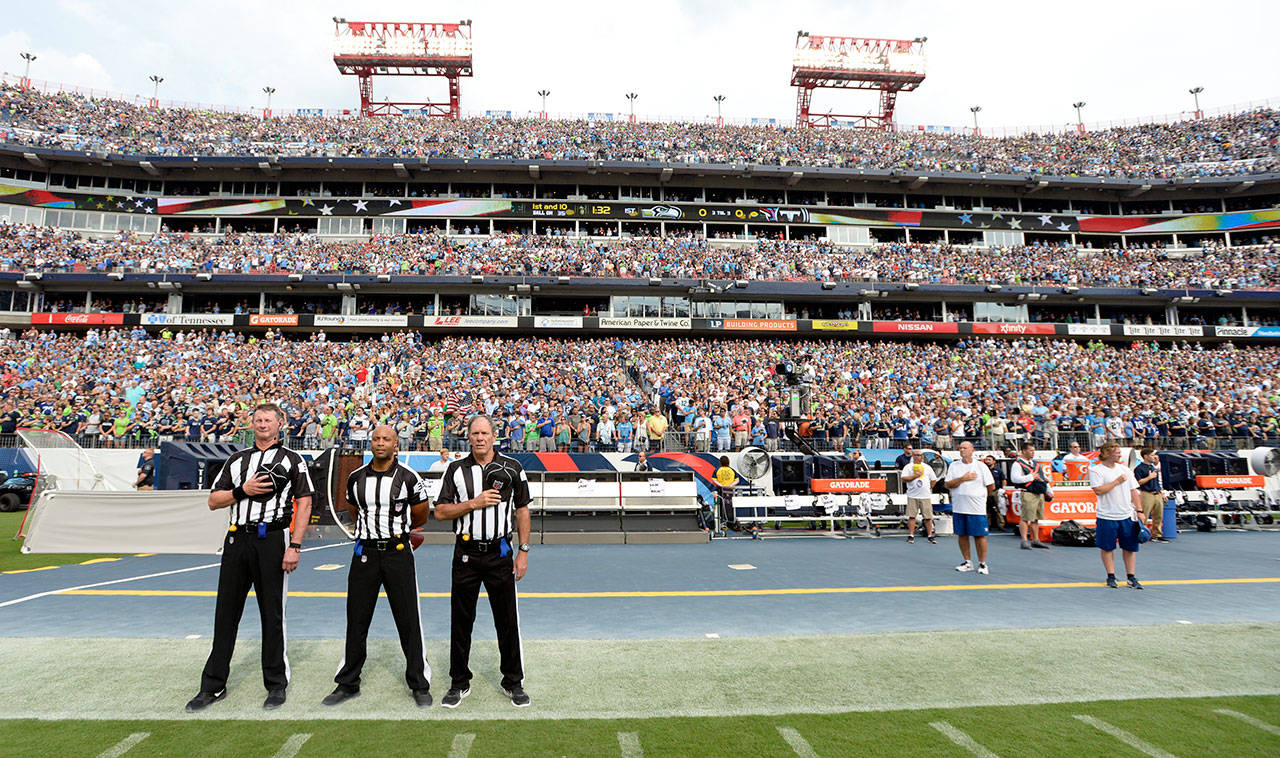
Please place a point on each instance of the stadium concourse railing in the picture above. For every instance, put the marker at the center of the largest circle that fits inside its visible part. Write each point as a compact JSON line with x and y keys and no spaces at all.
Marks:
{"x":686,"y":442}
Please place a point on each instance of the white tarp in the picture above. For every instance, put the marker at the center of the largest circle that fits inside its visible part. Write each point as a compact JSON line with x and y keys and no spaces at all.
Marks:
{"x":166,"y":521}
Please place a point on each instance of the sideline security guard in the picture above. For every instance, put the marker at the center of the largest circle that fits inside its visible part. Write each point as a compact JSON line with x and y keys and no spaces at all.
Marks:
{"x":386,"y":497}
{"x":483,"y":494}
{"x":261,"y":485}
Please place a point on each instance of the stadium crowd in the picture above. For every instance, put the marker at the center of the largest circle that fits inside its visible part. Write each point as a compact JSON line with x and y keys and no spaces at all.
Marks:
{"x":130,"y":387}
{"x":32,"y":248}
{"x":1239,"y":143}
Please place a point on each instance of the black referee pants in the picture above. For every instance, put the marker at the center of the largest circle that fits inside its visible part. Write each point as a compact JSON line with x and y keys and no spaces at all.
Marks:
{"x":470,"y":570}
{"x":248,"y":561}
{"x":394,"y":570}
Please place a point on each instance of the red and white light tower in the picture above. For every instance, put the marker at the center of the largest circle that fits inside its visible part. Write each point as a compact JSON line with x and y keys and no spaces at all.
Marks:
{"x":888,"y":65}
{"x":381,"y":48}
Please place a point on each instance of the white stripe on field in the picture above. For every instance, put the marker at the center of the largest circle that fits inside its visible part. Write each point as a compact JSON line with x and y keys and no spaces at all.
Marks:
{"x":962,"y":739}
{"x":47,"y":593}
{"x":629,"y":742}
{"x":1132,"y":740}
{"x":461,"y":745}
{"x":291,"y":746}
{"x":799,"y":744}
{"x":124,"y":745}
{"x":1250,"y":720}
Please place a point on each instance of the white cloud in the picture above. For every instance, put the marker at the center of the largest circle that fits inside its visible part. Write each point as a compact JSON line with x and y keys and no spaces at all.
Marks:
{"x":52,"y":64}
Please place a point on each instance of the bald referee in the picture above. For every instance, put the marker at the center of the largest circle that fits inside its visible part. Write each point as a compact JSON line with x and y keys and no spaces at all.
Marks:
{"x":483,"y":494}
{"x":261,"y":485}
{"x":387,"y":499}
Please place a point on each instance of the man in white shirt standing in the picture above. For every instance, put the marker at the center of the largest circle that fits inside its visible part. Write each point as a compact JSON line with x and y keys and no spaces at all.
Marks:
{"x":1027,"y":476}
{"x":918,"y":476}
{"x":1119,"y":513}
{"x":970,"y":481}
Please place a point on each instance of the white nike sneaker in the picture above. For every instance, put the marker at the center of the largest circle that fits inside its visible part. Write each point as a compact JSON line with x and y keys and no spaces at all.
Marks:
{"x":966,"y":566}
{"x":982,"y":569}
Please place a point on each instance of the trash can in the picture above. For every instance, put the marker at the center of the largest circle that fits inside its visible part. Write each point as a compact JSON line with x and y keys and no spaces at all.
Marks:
{"x":1169,"y":523}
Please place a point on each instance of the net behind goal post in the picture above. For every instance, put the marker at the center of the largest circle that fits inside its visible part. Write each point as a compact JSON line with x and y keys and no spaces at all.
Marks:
{"x":61,"y":464}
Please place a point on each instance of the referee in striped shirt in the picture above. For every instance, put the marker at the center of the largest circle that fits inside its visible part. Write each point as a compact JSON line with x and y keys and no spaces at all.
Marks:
{"x":387,"y":499}
{"x":262,"y":486}
{"x":484,"y":495}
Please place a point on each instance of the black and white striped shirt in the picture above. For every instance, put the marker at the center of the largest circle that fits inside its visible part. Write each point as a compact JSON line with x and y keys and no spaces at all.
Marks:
{"x":288,"y":471}
{"x":465,"y":479}
{"x":383,"y":500}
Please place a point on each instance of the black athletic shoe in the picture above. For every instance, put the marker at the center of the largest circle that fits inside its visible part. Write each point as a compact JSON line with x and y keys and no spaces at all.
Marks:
{"x":1134,"y":583}
{"x":1162,"y":539}
{"x":339,"y":696}
{"x":1040,"y":545}
{"x":932,"y":541}
{"x":518,"y":698}
{"x":422,"y":698}
{"x":1111,"y":582}
{"x":204,"y":700}
{"x":910,"y":539}
{"x":275,"y":699}
{"x":454,"y":696}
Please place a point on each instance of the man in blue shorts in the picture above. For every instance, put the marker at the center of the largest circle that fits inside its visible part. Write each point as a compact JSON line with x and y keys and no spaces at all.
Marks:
{"x":1119,"y":513}
{"x":970,"y":481}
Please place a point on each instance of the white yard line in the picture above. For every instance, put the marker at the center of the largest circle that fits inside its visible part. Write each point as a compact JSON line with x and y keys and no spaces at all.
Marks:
{"x":1132,"y":740}
{"x":291,"y":746}
{"x":1250,"y":720}
{"x":124,"y":745}
{"x":962,"y":739}
{"x":461,"y":745}
{"x":799,"y":744}
{"x":629,"y":743}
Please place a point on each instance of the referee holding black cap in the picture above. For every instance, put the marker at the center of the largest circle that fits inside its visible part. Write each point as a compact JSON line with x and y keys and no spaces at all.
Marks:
{"x":483,"y":494}
{"x":262,"y":485}
{"x":387,"y":499}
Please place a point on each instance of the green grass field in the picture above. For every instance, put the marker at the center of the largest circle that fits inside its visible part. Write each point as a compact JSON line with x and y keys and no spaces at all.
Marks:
{"x":12,"y":558}
{"x":1181,"y":727}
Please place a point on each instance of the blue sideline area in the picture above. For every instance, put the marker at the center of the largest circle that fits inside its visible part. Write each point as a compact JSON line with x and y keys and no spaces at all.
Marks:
{"x":796,"y":587}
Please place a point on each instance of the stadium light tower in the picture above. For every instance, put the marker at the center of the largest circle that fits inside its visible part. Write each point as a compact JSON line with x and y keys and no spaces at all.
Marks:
{"x":889,"y":66}
{"x":269,"y":92}
{"x":365,"y":49}
{"x":1079,"y":119}
{"x":719,"y":117}
{"x":1195,"y":92}
{"x":975,"y":110}
{"x":631,"y":98}
{"x":26,"y":72}
{"x":155,"y":90}
{"x":543,"y":93}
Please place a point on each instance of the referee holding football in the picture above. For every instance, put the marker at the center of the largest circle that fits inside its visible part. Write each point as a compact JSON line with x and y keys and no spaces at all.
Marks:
{"x":261,"y":485}
{"x":483,"y":494}
{"x":387,"y":499}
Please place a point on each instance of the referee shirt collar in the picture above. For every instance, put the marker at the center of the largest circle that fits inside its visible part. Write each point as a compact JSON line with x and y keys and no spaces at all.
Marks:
{"x":470,"y":460}
{"x":267,"y":449}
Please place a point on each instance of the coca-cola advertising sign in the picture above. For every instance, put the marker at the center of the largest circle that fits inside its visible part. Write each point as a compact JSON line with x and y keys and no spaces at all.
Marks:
{"x":77,"y":319}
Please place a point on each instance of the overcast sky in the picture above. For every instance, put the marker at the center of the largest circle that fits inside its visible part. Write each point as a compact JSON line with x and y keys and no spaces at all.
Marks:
{"x":1023,"y":62}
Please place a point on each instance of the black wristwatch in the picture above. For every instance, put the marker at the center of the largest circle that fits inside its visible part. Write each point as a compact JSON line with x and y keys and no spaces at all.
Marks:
{"x":524,"y":548}
{"x":295,"y":545}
